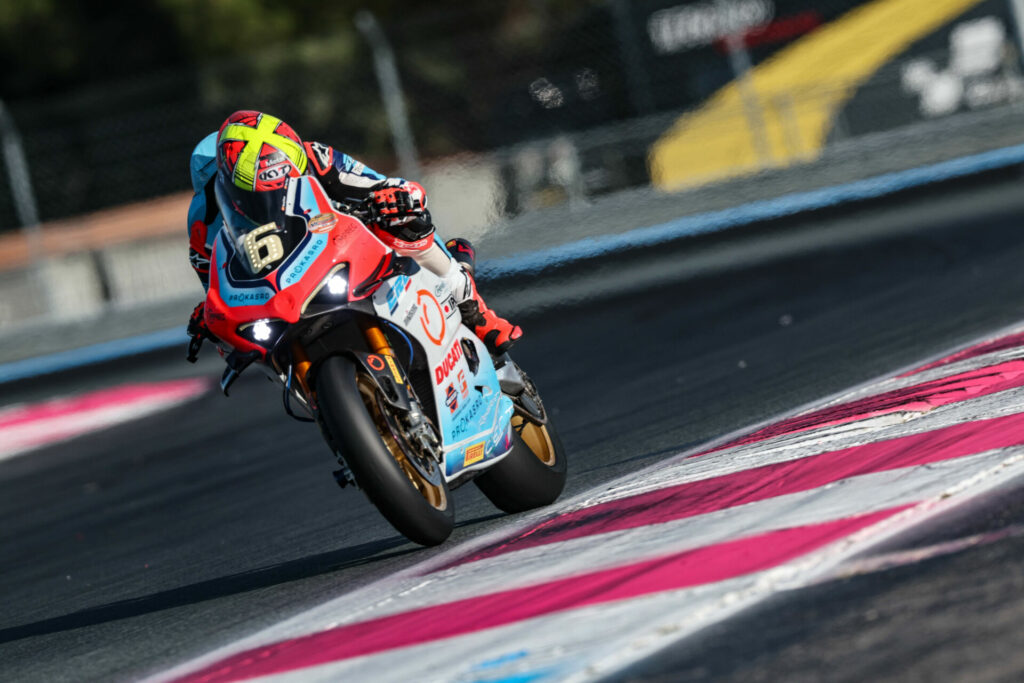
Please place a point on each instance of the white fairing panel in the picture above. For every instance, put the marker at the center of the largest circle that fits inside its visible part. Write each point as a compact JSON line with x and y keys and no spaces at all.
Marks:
{"x":474,"y":416}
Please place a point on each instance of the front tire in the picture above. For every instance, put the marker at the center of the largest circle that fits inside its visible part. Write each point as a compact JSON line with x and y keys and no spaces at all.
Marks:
{"x":363,"y":425}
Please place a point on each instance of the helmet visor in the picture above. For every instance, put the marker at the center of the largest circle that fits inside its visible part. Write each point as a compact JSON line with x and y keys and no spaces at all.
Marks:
{"x":256,"y":222}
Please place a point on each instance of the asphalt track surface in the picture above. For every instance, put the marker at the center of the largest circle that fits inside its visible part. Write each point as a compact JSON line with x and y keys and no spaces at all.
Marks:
{"x":128,"y":551}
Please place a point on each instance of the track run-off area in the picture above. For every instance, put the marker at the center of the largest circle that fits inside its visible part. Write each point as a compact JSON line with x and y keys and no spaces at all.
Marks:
{"x":778,"y":468}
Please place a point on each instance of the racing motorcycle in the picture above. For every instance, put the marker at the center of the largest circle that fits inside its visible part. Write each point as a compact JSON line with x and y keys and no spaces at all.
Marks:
{"x":372,"y":348}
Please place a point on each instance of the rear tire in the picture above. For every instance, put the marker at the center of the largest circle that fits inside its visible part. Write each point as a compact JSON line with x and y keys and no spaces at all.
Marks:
{"x":357,"y":418}
{"x":532,"y":475}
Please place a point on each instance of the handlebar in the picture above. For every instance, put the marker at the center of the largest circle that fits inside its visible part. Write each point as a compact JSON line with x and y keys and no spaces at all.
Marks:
{"x":362,"y":210}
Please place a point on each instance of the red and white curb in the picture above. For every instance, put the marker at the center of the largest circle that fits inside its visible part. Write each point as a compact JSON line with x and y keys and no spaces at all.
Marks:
{"x":26,"y":427}
{"x":588,"y":586}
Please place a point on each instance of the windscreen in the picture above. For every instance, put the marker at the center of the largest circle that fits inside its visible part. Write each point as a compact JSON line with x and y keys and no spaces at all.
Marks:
{"x":256,"y":222}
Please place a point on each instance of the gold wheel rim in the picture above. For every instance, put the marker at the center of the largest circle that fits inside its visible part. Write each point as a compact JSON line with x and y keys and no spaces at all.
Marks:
{"x":435,"y":495}
{"x":536,"y":438}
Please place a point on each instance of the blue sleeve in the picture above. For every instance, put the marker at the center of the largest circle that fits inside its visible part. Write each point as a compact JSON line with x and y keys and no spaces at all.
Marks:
{"x":347,"y":165}
{"x":203,"y":164}
{"x":202,"y":168}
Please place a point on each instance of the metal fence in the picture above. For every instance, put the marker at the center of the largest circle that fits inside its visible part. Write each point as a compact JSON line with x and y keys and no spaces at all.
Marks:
{"x":491,"y":75}
{"x":537,"y":107}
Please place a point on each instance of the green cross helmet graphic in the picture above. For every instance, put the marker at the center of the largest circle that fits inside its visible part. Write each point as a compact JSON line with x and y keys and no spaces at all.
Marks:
{"x":247,"y":164}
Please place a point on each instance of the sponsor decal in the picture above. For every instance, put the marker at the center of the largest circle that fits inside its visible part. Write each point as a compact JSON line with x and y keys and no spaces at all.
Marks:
{"x":460,"y":382}
{"x":685,"y":27}
{"x":323,"y":155}
{"x":274,"y":172}
{"x":308,"y":255}
{"x":474,"y":453}
{"x":394,"y":370}
{"x":451,"y":399}
{"x":401,"y":244}
{"x":249,"y":297}
{"x":272,"y":159}
{"x":375,"y":362}
{"x":442,"y":371}
{"x":494,"y":443}
{"x":409,"y":316}
{"x":323,"y":223}
{"x":399,"y":287}
{"x":467,"y":420}
{"x":431,"y":317}
{"x":449,"y":307}
{"x":199,"y":262}
{"x":977,"y":74}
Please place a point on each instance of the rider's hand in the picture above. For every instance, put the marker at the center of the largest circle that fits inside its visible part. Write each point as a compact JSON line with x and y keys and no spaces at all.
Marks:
{"x":198,"y":331}
{"x":398,"y":204}
{"x":197,"y":323}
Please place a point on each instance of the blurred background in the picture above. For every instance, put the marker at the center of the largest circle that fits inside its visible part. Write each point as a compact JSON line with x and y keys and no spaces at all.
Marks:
{"x":530,"y":122}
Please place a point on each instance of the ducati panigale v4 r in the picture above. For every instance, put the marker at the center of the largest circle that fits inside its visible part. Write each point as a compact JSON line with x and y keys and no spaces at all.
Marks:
{"x":372,"y":348}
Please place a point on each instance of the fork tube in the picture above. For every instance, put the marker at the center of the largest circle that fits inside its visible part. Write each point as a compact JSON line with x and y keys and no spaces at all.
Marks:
{"x":301,"y":364}
{"x":376,"y":339}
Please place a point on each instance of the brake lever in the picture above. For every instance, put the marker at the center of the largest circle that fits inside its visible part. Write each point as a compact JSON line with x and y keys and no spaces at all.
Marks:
{"x":363,"y":210}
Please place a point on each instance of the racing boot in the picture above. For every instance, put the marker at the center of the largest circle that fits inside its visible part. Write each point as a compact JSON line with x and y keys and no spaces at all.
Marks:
{"x":497,"y":334}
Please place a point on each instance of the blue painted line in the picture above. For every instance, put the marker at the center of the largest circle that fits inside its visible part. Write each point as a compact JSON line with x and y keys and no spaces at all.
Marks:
{"x":499,"y":661}
{"x":592,"y":247}
{"x":89,"y":355}
{"x":526,"y":677}
{"x":786,"y":205}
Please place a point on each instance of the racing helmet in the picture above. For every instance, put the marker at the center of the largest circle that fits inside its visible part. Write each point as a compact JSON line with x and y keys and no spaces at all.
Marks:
{"x":258,"y":152}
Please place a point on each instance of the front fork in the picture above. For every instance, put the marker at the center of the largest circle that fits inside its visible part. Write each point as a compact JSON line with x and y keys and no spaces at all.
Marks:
{"x":382,"y":356}
{"x":381,"y":364}
{"x":419,"y":426}
{"x":375,"y":338}
{"x":301,"y":365}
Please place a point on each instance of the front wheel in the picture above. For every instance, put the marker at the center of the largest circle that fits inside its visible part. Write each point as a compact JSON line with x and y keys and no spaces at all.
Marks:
{"x":533,"y":474}
{"x":406,"y":486}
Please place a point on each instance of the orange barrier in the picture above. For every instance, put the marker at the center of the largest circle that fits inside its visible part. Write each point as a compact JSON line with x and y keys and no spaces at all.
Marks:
{"x":146,"y":220}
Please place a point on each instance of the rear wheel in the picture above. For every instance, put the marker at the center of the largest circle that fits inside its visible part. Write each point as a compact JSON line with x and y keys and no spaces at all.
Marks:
{"x":405,"y":484}
{"x":533,"y":474}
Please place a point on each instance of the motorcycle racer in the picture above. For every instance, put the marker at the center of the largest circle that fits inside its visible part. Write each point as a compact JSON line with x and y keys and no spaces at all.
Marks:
{"x":254,"y":152}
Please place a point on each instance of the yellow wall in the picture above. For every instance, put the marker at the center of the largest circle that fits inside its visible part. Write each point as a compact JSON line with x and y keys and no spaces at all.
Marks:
{"x":806,"y":82}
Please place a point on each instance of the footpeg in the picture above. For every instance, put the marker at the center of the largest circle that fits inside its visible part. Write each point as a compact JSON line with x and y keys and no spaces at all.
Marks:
{"x":344,"y":477}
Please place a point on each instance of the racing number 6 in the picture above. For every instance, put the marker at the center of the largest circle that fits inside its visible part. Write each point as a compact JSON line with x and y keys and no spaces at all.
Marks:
{"x":274,"y":249}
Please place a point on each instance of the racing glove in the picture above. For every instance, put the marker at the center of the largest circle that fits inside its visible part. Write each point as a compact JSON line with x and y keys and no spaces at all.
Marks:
{"x":399,"y":203}
{"x":197,"y":331}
